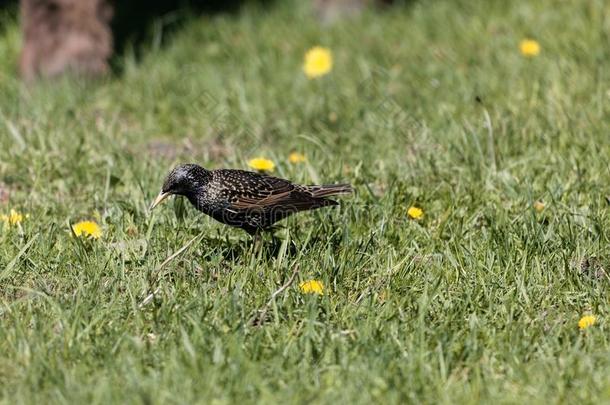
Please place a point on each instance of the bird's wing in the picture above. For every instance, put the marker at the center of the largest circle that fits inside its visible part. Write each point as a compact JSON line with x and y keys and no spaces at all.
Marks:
{"x":248,"y":190}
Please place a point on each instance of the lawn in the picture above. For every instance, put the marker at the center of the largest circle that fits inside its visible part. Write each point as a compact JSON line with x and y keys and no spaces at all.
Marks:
{"x":429,"y":104}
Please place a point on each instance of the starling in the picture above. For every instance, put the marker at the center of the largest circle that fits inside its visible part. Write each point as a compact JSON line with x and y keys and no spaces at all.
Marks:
{"x":247,"y":200}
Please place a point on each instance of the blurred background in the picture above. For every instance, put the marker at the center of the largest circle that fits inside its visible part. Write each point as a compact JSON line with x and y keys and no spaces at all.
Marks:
{"x":475,"y":134}
{"x":81,"y":36}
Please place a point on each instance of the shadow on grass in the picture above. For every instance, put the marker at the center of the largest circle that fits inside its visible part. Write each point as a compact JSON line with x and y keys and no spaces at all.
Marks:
{"x":140,"y":22}
{"x":236,"y":250}
{"x":268,"y":246}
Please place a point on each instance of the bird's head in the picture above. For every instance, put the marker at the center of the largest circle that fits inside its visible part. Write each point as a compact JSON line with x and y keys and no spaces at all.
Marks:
{"x":184,"y":180}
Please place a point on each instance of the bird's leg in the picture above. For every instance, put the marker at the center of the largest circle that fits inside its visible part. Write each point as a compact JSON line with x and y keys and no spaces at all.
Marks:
{"x":276,"y":241}
{"x":257,"y":243}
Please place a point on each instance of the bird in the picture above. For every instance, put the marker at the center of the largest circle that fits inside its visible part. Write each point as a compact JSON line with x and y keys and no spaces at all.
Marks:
{"x":244,"y":199}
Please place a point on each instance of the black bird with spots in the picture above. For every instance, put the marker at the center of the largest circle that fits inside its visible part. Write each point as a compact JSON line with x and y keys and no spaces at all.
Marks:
{"x":247,"y":200}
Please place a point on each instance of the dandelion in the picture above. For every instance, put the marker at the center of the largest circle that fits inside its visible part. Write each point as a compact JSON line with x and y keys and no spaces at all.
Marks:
{"x":529,"y":48}
{"x":13,"y":218}
{"x":318,"y":62}
{"x":262,"y":164}
{"x":586,"y":321}
{"x":539,"y":206}
{"x":312,"y":287}
{"x":296,"y":157}
{"x":87,"y":229}
{"x":415,"y":213}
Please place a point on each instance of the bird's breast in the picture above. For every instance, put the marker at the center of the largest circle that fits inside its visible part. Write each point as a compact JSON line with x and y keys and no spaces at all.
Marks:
{"x":209,"y":202}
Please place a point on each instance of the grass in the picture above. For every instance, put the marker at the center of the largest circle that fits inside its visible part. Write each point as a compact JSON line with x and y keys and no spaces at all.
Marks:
{"x":477,"y":302}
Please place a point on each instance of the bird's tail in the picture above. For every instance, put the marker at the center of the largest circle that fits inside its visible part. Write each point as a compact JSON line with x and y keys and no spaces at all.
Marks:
{"x":327,"y":190}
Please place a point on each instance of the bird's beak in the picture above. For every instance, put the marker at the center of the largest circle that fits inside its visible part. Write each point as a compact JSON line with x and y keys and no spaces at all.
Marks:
{"x":162,"y":196}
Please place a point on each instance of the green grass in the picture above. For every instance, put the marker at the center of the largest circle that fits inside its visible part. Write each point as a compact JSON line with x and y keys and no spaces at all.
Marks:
{"x":477,"y":302}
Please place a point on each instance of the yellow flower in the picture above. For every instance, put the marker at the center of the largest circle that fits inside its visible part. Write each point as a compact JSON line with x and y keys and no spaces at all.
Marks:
{"x":312,"y":287}
{"x":415,"y":213}
{"x":262,"y":164}
{"x":13,"y":218}
{"x":87,"y":228}
{"x":318,"y":62}
{"x":529,"y":47}
{"x":586,"y":321}
{"x":539,"y":206}
{"x":296,"y":157}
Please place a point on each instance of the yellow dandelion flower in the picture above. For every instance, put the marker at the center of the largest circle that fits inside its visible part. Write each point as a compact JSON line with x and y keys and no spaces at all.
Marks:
{"x":13,"y":218}
{"x":262,"y":164}
{"x":586,"y":321}
{"x":415,"y":213}
{"x":318,"y":62}
{"x":296,"y":157}
{"x":87,"y":229}
{"x":312,"y":287}
{"x":539,"y":206}
{"x":529,"y":48}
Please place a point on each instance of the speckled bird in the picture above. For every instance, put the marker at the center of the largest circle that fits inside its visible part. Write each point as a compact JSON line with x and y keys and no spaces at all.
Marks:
{"x":247,"y":200}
